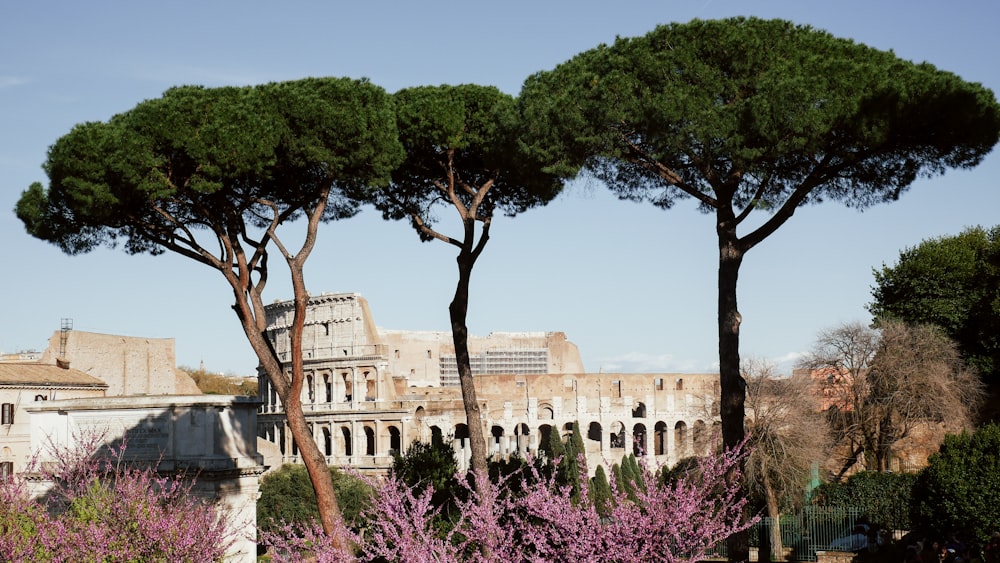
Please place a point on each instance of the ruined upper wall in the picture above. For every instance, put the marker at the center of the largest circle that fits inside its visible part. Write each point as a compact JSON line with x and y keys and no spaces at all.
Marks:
{"x":337,"y":325}
{"x":129,"y":365}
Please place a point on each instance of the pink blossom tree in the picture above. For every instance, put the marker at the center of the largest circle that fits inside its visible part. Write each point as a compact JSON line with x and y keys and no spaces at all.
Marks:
{"x":102,"y":509}
{"x":674,"y":522}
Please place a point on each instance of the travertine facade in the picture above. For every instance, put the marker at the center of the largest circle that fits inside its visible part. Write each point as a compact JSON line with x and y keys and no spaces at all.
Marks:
{"x":369,"y":393}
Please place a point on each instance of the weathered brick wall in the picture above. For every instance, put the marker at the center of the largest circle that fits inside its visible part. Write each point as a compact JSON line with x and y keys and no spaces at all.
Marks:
{"x":129,"y":365}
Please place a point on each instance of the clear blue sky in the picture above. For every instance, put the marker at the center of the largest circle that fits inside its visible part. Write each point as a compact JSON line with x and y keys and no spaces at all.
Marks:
{"x":632,"y":286}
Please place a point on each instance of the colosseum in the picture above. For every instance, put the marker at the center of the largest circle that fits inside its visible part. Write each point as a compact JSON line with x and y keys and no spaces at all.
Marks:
{"x":369,"y":392}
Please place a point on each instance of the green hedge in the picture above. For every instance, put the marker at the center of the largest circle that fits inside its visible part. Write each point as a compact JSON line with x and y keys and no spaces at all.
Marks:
{"x":884,"y":498}
{"x":959,"y":491}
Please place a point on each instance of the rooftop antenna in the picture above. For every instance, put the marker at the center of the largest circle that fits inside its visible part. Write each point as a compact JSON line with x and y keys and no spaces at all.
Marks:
{"x":66,"y":325}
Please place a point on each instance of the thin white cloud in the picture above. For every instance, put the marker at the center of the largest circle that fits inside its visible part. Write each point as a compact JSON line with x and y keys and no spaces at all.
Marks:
{"x":785,"y":363}
{"x":11,"y":81}
{"x":640,"y":362}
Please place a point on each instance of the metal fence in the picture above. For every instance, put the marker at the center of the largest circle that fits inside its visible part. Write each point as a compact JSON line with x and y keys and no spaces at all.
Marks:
{"x":815,"y":528}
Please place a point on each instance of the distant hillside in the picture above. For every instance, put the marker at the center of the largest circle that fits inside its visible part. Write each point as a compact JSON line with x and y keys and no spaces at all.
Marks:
{"x":215,"y":384}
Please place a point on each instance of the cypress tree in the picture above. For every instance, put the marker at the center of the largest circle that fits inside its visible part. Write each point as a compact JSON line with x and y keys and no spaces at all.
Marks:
{"x":600,"y":492}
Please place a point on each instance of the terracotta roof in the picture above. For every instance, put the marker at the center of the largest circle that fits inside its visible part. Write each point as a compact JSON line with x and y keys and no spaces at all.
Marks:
{"x":32,"y":374}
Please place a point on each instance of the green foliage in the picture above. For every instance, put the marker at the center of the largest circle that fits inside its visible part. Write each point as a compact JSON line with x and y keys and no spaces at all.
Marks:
{"x":952,"y":282}
{"x":959,"y":490}
{"x":568,"y":454}
{"x":431,"y":465}
{"x":684,"y":468}
{"x":287,"y":496}
{"x":884,"y":498}
{"x":207,"y":158}
{"x":469,"y":129}
{"x":600,"y":492}
{"x":629,"y":476}
{"x":763,"y":107}
{"x":552,"y":447}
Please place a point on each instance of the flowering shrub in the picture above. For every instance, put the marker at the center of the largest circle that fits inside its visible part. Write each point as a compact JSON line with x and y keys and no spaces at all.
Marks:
{"x":651,"y":521}
{"x":100,"y":509}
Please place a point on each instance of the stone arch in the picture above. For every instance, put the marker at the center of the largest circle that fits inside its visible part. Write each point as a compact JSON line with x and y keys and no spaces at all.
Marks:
{"x":522,"y":437}
{"x":461,"y":435}
{"x":639,"y":411}
{"x":395,"y":441}
{"x":418,"y":426}
{"x":327,"y":442}
{"x":544,"y":432}
{"x":496,"y":440}
{"x":371,"y":387}
{"x":660,"y":438}
{"x":546,"y":412}
{"x":345,"y":432}
{"x":680,"y":440}
{"x":437,"y":436}
{"x":594,"y":431}
{"x":639,"y":447}
{"x":616,"y":438}
{"x":369,"y":440}
{"x":460,"y":441}
{"x":345,"y":376}
{"x":327,"y":386}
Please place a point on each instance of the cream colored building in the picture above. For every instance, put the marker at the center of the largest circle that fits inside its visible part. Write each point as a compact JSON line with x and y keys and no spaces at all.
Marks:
{"x":23,"y":384}
{"x":370,"y":392}
{"x":130,"y":388}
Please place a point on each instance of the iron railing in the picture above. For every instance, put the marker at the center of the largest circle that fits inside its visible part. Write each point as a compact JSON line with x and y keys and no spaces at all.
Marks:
{"x":815,"y":528}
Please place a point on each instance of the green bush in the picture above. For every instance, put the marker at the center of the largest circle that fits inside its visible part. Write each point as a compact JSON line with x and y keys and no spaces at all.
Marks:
{"x":883,"y":497}
{"x":959,"y":491}
{"x":433,"y":465}
{"x":286,"y":495}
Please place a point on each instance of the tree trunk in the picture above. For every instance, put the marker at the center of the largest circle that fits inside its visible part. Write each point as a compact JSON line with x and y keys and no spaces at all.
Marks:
{"x":458,"y":311}
{"x":249,"y":308}
{"x":777,"y":549}
{"x":312,"y":457}
{"x":732,"y":386}
{"x":290,"y":395}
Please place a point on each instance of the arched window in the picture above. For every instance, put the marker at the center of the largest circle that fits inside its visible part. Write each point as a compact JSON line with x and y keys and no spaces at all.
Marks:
{"x":617,"y":437}
{"x":348,"y":446}
{"x":660,"y":438}
{"x":639,"y":447}
{"x":395,"y":441}
{"x":369,"y":440}
{"x":639,"y":411}
{"x":370,"y":394}
{"x":594,"y":431}
{"x":521,"y":436}
{"x":680,"y":440}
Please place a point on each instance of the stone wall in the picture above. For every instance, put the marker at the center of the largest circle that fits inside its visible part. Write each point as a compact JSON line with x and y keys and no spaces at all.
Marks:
{"x":129,"y":365}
